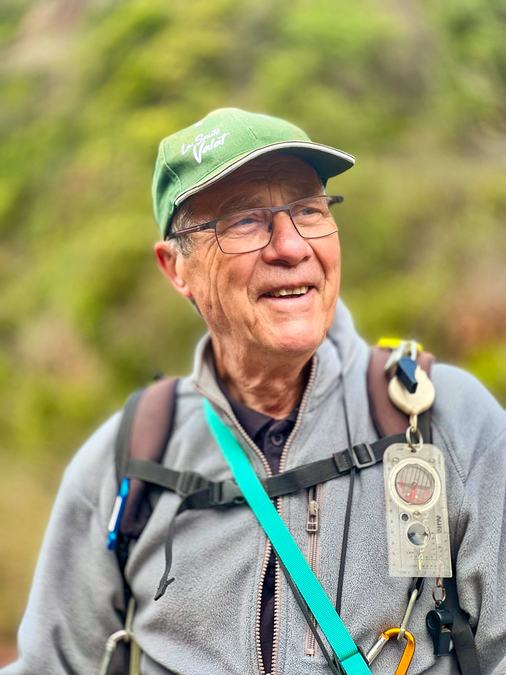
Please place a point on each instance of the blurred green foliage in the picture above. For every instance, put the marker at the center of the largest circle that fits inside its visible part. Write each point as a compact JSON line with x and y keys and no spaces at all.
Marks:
{"x":89,"y":87}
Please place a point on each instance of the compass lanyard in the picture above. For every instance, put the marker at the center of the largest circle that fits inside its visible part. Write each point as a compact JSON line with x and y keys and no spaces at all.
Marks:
{"x":307,"y":583}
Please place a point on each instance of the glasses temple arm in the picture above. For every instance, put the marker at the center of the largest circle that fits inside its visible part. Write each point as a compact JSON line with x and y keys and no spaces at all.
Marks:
{"x":191,"y":230}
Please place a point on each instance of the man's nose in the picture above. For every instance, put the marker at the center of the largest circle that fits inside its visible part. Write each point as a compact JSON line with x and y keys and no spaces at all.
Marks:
{"x":286,"y":244}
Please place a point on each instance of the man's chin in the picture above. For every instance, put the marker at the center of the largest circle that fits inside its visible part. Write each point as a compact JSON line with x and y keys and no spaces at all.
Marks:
{"x":296,"y":342}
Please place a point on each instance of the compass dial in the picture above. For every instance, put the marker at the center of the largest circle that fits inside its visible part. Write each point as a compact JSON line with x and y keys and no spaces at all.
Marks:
{"x":414,"y":484}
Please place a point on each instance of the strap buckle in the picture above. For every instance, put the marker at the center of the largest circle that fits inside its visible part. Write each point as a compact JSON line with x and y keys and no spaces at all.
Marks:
{"x":225,"y":493}
{"x":188,"y":482}
{"x":356,"y":459}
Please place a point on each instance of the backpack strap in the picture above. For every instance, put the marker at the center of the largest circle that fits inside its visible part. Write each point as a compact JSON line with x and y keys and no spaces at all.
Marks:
{"x":462,"y":633}
{"x":389,"y":420}
{"x":201,"y":493}
{"x":144,"y":433}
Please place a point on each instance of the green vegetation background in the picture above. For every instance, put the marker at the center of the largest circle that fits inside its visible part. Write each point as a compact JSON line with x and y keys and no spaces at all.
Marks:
{"x":88,"y":87}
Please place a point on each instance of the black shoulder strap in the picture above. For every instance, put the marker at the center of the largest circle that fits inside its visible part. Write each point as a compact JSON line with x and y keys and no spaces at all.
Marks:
{"x":144,"y":433}
{"x":462,"y":634}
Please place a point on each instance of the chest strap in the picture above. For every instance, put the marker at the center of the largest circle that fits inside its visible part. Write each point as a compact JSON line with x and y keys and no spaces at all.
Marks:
{"x":201,"y":493}
{"x":197,"y":492}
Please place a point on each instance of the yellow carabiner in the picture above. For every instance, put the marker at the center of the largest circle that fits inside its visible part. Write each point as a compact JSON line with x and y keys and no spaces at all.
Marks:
{"x":407,"y":655}
{"x":394,"y":343}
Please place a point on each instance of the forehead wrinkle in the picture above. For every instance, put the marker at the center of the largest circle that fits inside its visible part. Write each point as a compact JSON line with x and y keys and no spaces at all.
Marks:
{"x":249,"y":191}
{"x":245,"y":196}
{"x":247,"y":186}
{"x":273,"y":168}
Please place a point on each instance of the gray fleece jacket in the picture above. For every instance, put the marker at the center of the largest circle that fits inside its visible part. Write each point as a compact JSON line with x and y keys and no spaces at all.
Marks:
{"x":207,"y":622}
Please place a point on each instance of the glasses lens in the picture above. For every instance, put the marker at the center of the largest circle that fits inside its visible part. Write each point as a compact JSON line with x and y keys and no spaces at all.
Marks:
{"x":244,"y":231}
{"x":251,"y":230}
{"x":312,"y":217}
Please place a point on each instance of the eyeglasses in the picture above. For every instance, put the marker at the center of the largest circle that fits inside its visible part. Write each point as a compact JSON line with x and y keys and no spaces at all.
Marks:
{"x":251,"y":230}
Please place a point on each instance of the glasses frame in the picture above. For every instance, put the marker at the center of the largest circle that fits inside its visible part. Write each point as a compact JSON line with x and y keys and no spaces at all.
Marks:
{"x":285,"y":208}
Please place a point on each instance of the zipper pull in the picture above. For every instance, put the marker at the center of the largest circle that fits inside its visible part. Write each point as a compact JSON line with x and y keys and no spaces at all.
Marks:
{"x":312,"y":516}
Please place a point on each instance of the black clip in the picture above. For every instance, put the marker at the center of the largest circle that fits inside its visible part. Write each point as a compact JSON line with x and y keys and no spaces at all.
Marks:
{"x":188,"y":482}
{"x":405,"y":372}
{"x":363,"y":455}
{"x":439,"y":623}
{"x":225,"y":493}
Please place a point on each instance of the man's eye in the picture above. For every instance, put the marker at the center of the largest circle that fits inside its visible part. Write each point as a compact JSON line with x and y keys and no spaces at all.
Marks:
{"x":240,"y":225}
{"x":307,"y":212}
{"x":248,"y":220}
{"x":243,"y":221}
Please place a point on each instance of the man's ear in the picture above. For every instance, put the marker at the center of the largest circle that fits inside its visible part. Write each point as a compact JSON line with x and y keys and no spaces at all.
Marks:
{"x":172,"y":264}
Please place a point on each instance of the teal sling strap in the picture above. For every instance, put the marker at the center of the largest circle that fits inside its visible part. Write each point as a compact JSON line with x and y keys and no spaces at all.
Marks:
{"x":351,"y":660}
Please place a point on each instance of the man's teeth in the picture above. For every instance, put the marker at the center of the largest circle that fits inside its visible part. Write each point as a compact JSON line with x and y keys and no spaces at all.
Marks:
{"x":289,"y":291}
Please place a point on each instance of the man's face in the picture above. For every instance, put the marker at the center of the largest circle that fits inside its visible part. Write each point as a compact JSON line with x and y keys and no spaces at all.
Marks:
{"x":234,"y":293}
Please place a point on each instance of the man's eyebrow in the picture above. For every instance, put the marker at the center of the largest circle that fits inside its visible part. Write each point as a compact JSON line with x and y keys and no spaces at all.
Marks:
{"x":241,"y":202}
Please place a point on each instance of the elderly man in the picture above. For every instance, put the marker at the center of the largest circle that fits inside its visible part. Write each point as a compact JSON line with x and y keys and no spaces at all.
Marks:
{"x":250,"y":239}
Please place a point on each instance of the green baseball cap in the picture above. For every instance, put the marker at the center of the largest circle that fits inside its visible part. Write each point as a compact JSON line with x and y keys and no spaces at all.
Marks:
{"x":194,"y":158}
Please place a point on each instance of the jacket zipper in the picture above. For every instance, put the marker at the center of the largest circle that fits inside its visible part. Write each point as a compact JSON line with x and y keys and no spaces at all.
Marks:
{"x":258,"y":614}
{"x":313,"y":557}
{"x":267,"y":553}
{"x":282,"y":467}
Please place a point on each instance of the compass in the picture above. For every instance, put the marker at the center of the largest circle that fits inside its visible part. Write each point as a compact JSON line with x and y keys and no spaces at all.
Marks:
{"x":416,"y":511}
{"x":414,"y":484}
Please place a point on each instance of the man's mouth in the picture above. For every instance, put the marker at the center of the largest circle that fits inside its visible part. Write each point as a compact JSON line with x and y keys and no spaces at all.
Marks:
{"x":284,"y":292}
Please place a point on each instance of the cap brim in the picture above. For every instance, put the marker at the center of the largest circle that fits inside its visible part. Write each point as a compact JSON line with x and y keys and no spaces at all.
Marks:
{"x":325,"y":160}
